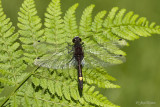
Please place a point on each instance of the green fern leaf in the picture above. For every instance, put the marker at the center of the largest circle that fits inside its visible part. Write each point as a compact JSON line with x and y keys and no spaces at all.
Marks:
{"x":86,"y":21}
{"x":30,"y":29}
{"x":74,"y":93}
{"x":127,"y":26}
{"x":66,"y":92}
{"x":54,"y":21}
{"x":11,"y":63}
{"x":97,"y":25}
{"x":59,"y":87}
{"x":43,"y":83}
{"x":51,"y":87}
{"x":70,"y":25}
{"x":100,"y":78}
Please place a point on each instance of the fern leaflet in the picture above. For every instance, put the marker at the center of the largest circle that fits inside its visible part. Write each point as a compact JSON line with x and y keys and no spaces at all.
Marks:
{"x":103,"y":36}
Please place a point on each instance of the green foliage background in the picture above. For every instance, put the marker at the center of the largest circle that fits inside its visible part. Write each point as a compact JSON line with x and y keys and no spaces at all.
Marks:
{"x":139,"y":76}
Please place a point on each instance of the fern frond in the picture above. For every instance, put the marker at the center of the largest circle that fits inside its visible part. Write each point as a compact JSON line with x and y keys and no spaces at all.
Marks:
{"x":103,"y":37}
{"x":95,"y":98}
{"x":11,"y":63}
{"x":28,"y":97}
{"x":56,"y":84}
{"x":72,"y":92}
{"x":30,"y":29}
{"x":70,"y":25}
{"x":85,"y":23}
{"x":99,"y":77}
{"x":97,"y":25}
{"x":54,"y":23}
{"x":127,"y":26}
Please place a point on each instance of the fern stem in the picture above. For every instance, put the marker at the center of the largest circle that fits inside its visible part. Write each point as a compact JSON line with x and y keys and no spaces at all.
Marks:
{"x":18,"y":86}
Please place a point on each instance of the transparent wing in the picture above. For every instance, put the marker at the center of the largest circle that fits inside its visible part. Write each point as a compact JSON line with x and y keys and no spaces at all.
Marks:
{"x":105,"y":54}
{"x":92,"y":60}
{"x":56,"y":57}
{"x":55,"y":61}
{"x":114,"y":46}
{"x":61,"y":56}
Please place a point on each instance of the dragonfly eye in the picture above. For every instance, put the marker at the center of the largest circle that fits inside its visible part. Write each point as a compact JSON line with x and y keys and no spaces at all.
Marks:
{"x":38,"y":41}
{"x":73,"y":40}
{"x":80,"y":39}
{"x":76,"y":39}
{"x":120,"y":39}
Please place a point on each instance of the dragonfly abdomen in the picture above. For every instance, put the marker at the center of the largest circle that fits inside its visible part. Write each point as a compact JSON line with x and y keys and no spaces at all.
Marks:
{"x":80,"y":76}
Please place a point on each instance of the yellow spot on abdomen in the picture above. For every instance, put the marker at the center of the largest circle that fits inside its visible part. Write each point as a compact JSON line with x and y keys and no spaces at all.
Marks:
{"x":80,"y":78}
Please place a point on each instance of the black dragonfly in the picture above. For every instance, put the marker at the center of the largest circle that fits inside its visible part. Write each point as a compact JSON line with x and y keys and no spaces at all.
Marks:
{"x":73,"y":56}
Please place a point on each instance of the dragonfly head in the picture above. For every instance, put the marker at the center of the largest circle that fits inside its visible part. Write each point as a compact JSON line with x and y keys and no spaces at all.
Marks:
{"x":76,"y":39}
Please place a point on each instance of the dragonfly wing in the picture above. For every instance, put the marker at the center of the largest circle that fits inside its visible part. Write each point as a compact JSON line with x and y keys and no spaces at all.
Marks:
{"x":109,"y":46}
{"x":56,"y":60}
{"x":96,"y":55}
{"x":92,"y":60}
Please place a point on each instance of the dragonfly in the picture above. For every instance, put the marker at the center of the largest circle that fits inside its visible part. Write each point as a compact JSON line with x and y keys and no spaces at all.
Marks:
{"x":78,"y":55}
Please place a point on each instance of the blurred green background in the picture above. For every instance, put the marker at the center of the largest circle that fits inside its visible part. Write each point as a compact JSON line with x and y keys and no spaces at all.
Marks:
{"x":139,"y":76}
